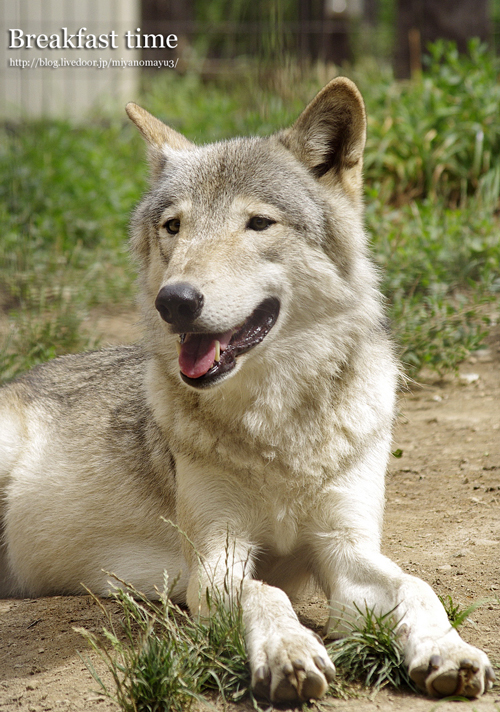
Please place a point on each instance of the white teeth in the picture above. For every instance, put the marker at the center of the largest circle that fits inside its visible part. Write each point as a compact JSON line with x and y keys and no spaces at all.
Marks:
{"x":178,"y":347}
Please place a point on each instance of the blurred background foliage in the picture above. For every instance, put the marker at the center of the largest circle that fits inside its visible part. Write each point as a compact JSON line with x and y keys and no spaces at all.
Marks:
{"x":432,"y":170}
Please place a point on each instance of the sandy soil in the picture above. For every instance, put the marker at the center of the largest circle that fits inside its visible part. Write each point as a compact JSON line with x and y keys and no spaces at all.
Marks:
{"x":442,"y":523}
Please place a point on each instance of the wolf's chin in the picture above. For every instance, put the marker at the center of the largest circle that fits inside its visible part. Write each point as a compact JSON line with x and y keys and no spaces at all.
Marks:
{"x":246,"y":337}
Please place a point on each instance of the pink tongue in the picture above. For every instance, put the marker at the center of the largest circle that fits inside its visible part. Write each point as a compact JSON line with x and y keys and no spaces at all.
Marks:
{"x":197,"y":354}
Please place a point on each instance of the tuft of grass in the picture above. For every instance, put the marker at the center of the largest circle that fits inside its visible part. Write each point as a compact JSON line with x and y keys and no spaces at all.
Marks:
{"x":371,"y":652}
{"x":438,"y":332}
{"x":456,"y":614}
{"x":440,"y":274}
{"x":161,"y":658}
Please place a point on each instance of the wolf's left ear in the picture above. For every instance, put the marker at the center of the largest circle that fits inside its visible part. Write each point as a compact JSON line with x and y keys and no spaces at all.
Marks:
{"x":329,"y":136}
{"x":158,"y":135}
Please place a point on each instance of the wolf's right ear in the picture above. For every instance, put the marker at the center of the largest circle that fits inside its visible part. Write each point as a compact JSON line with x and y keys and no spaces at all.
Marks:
{"x":329,"y":136}
{"x":158,"y":135}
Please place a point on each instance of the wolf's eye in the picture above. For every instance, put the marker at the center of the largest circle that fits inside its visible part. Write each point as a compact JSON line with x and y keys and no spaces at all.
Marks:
{"x":259,"y":223}
{"x":172,"y":226}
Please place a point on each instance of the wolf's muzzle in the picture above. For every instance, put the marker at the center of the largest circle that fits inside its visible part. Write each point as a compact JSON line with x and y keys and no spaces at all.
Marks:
{"x":200,"y":364}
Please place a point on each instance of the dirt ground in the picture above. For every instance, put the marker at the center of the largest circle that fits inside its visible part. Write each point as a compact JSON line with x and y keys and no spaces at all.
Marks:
{"x":442,"y":523}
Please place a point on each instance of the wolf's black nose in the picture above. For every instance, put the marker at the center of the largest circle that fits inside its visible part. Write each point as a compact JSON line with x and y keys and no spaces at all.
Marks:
{"x":179,"y":304}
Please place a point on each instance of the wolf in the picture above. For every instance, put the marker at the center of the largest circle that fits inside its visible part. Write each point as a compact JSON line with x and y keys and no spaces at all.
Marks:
{"x":258,"y":410}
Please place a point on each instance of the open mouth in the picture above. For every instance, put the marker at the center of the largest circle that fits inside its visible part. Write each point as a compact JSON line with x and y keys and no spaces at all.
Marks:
{"x":205,"y":358}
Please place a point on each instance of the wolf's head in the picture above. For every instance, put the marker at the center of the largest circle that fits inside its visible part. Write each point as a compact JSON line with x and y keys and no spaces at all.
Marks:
{"x":237,"y":239}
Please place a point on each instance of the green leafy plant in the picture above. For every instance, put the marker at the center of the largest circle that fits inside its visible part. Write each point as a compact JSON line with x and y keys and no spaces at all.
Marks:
{"x":437,"y":136}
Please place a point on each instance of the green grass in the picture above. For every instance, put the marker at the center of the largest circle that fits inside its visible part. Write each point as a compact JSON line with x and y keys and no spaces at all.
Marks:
{"x":456,"y":614}
{"x":371,"y":653}
{"x":65,"y":198}
{"x":432,"y":173}
{"x":440,"y":270}
{"x":160,"y":658}
{"x":432,"y":167}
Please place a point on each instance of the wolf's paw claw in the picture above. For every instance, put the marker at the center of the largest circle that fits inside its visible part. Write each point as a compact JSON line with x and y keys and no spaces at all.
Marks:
{"x":471,"y":677}
{"x":490,"y":675}
{"x":326,"y":666}
{"x":261,"y":681}
{"x":294,"y":678}
{"x":299,"y":684}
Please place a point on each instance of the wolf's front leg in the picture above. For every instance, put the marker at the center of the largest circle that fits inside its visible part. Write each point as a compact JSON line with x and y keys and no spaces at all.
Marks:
{"x":439,"y":661}
{"x":356,"y":576}
{"x":288,"y":662}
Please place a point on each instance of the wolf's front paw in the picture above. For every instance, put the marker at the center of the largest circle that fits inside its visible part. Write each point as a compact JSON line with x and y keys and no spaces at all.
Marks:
{"x":295,"y":667}
{"x":452,"y":668}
